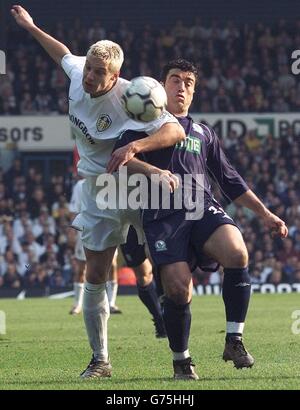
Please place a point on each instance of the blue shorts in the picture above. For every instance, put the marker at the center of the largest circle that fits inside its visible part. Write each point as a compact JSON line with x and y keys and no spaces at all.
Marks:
{"x":134,"y":254}
{"x":174,"y":239}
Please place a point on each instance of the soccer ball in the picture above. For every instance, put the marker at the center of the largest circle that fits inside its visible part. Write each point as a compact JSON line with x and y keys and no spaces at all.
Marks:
{"x":144,"y":99}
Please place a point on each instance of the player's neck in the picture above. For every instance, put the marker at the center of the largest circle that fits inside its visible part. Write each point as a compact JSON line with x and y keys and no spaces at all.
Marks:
{"x":105,"y":91}
{"x":178,"y":113}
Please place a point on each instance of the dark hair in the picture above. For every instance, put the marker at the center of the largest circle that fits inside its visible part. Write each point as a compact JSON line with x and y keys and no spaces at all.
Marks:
{"x":181,"y":64}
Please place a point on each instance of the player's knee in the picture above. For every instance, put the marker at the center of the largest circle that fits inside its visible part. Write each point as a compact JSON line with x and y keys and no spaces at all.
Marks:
{"x":81,"y":273}
{"x":143,"y":274}
{"x":180,"y":295}
{"x":238,"y":258}
{"x":81,"y":277}
{"x":95,"y":274}
{"x":105,"y":310}
{"x":144,"y":280}
{"x":95,"y":268}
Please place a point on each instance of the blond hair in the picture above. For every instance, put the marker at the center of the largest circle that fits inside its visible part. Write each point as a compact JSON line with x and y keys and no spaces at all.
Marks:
{"x":108,"y":51}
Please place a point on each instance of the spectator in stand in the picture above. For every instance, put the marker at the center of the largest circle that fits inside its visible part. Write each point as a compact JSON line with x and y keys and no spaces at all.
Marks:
{"x":231,"y":79}
{"x":11,"y":278}
{"x":287,"y":251}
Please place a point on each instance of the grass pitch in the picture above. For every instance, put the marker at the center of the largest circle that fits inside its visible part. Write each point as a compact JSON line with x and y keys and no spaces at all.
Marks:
{"x":46,"y":348}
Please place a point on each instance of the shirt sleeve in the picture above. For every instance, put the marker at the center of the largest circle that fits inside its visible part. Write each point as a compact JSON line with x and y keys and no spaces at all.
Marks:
{"x":152,"y":126}
{"x":128,"y":136}
{"x":232,"y":185}
{"x":72,"y":64}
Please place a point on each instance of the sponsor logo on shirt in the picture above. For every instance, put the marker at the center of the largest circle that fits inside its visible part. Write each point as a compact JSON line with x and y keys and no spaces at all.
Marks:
{"x":103,"y":123}
{"x":190,"y":144}
{"x":80,"y":124}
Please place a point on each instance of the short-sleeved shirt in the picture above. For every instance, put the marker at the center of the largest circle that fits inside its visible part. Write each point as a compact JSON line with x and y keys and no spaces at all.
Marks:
{"x":97,"y":122}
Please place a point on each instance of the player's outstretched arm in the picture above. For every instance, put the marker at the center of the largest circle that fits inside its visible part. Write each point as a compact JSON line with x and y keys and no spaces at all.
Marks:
{"x":164,"y":176}
{"x":275,"y":224}
{"x":54,"y":48}
{"x":169,"y":134}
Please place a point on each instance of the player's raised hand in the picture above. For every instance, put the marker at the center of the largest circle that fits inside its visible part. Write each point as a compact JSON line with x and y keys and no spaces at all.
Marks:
{"x":168,"y":180}
{"x":276,"y":225}
{"x":22,"y":17}
{"x":120,"y":157}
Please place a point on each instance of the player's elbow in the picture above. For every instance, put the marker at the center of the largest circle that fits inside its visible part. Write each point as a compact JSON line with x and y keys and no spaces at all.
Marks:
{"x":180,"y":133}
{"x":174,"y":131}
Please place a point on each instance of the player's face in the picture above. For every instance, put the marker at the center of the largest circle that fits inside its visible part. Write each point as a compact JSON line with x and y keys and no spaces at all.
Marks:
{"x":97,"y":78}
{"x":180,"y":88}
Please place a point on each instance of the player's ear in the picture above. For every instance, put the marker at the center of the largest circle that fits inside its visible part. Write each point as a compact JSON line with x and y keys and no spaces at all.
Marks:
{"x":115,"y":76}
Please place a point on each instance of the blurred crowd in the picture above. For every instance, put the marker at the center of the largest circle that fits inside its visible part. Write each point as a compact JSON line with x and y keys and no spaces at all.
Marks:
{"x":271,"y":168}
{"x":36,"y":243}
{"x":37,"y":246}
{"x":243,"y":68}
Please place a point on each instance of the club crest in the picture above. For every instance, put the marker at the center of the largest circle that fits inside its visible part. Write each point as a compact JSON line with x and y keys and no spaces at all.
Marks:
{"x":103,"y":123}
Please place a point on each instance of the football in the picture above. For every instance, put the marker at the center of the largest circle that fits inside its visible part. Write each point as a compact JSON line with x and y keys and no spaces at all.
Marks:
{"x":144,"y":99}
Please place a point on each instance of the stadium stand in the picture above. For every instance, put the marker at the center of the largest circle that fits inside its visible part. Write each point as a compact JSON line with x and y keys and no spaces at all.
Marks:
{"x":242,"y":69}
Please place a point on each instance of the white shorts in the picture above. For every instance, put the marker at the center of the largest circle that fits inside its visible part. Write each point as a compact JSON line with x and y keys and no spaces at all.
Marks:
{"x":102,"y":229}
{"x":80,"y":254}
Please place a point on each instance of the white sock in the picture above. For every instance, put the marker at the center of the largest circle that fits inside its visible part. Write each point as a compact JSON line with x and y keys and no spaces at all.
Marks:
{"x":112,"y":290}
{"x":78,"y":294}
{"x":181,"y":355}
{"x":96,"y":314}
{"x":235,"y":327}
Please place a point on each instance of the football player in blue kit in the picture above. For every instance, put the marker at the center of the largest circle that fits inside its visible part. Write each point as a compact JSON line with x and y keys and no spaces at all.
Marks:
{"x":213,"y":236}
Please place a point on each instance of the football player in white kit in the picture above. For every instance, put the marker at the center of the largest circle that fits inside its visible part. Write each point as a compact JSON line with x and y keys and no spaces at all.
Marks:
{"x":97,"y":118}
{"x":78,"y":281}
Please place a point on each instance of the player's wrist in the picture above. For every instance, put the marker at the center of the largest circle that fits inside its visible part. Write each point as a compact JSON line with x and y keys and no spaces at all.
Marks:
{"x":265,"y":213}
{"x":32,"y":28}
{"x":136,"y":147}
{"x":152,"y":170}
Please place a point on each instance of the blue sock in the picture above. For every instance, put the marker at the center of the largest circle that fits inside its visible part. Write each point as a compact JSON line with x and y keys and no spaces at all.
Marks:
{"x":236,"y":295}
{"x":178,"y":324}
{"x":149,"y":297}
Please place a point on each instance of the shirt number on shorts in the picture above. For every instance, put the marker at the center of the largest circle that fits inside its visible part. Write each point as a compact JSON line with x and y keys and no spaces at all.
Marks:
{"x":219,"y":211}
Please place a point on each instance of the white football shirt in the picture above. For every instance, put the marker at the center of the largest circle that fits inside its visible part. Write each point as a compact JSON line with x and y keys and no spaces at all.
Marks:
{"x":97,"y":122}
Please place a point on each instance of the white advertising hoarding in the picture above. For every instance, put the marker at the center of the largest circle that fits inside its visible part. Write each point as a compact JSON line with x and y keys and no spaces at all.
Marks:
{"x":36,"y":133}
{"x":264,"y":124}
{"x":52,"y":133}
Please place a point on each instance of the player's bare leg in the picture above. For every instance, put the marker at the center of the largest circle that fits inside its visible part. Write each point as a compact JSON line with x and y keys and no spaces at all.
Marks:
{"x":112,"y":286}
{"x":226,"y":245}
{"x":96,"y":310}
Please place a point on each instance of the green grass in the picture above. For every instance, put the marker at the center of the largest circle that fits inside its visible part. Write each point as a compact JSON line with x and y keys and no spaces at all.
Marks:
{"x":45,"y":348}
